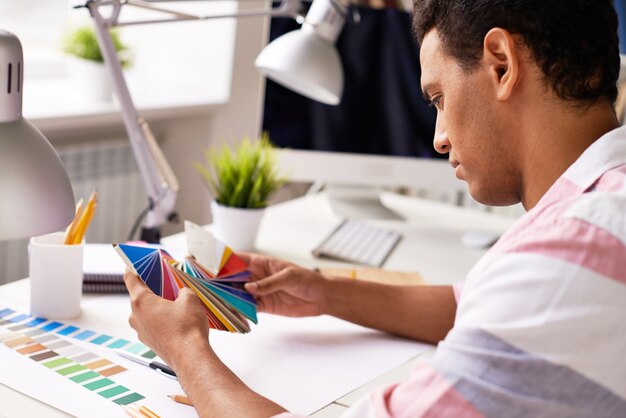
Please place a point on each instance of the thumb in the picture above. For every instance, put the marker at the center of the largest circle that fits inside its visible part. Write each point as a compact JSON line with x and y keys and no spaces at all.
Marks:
{"x":188,"y":296}
{"x":186,"y":292}
{"x":245,"y":257}
{"x":270,"y":284}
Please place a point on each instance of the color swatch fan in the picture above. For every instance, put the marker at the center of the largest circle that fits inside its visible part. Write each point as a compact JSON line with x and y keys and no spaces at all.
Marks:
{"x":220,"y":287}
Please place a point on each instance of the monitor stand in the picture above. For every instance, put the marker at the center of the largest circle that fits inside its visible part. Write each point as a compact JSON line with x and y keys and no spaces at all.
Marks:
{"x":359,"y":202}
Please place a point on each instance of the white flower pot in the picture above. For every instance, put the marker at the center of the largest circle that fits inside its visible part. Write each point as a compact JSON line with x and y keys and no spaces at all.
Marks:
{"x":90,"y":80}
{"x":236,"y":227}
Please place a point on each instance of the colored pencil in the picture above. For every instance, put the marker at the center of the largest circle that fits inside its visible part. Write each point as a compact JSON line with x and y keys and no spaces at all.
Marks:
{"x":181,"y":399}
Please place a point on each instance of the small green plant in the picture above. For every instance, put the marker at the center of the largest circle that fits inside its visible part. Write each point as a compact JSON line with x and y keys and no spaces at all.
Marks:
{"x":82,"y":42}
{"x":243,"y":177}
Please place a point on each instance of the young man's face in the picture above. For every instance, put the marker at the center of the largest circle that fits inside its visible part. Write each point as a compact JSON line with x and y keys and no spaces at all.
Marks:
{"x":468,"y":125}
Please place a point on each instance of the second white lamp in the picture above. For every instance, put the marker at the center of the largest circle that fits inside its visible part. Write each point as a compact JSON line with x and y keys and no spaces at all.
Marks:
{"x":306,"y":60}
{"x":35,"y":193}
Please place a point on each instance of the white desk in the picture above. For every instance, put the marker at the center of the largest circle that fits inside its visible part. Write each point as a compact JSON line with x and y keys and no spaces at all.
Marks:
{"x":431,"y":244}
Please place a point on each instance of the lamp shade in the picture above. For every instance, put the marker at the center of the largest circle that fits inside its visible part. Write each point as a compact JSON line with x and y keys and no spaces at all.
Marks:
{"x":306,"y":63}
{"x":306,"y":60}
{"x":35,"y":193}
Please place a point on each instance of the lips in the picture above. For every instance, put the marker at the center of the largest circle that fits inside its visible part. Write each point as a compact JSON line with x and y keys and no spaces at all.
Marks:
{"x":457,"y":169}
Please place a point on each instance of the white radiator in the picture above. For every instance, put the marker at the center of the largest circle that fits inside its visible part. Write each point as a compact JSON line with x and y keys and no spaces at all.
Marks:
{"x":106,"y":166}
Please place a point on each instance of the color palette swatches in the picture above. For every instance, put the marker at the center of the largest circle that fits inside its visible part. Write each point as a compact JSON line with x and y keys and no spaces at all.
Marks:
{"x":46,"y":342}
{"x":211,"y":270}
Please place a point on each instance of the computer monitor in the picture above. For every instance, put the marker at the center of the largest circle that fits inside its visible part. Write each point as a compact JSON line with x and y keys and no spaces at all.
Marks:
{"x":381,"y":133}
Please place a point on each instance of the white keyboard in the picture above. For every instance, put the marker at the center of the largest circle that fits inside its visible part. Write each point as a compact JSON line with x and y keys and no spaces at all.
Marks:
{"x":357,"y":242}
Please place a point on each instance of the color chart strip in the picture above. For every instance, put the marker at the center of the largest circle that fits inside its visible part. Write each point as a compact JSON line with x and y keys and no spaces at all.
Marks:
{"x":21,"y":322}
{"x":42,"y":341}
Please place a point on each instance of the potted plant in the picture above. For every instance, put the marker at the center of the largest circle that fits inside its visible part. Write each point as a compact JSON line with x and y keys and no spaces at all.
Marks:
{"x":86,"y":64}
{"x":241,"y":180}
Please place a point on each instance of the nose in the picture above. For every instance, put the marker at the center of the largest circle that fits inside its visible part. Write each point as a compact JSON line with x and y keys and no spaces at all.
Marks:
{"x":441,"y":142}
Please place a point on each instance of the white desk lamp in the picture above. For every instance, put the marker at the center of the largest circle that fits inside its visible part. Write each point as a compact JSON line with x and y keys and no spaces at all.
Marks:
{"x":35,"y":193}
{"x":305,"y":61}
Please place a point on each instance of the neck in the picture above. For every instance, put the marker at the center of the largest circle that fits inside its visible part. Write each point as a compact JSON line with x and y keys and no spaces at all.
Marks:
{"x":556,"y":143}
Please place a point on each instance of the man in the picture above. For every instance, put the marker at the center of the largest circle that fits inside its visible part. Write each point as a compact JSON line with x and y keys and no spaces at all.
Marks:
{"x":524,"y":93}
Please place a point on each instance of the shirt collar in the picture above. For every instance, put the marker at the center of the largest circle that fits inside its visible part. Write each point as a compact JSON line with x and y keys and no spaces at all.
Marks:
{"x":606,"y":153}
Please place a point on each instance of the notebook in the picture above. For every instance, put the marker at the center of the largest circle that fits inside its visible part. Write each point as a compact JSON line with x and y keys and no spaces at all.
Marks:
{"x":103,"y":270}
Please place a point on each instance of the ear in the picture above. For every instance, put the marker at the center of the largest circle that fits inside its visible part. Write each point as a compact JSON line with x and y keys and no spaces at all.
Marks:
{"x":501,"y":56}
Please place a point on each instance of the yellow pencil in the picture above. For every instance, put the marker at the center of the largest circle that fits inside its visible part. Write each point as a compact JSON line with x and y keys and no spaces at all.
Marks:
{"x":85,"y":218}
{"x":132,"y":412}
{"x":147,"y":412}
{"x":71,"y":229}
{"x":181,"y":399}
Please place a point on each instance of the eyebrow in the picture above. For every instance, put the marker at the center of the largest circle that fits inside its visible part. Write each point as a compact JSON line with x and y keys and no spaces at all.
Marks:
{"x":425,"y":90}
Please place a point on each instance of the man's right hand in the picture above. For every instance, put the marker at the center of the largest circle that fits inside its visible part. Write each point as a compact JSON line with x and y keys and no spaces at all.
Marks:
{"x":423,"y":313}
{"x":283,"y":288}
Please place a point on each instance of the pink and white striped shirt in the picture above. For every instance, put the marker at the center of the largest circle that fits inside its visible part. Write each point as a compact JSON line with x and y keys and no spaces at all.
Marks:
{"x":540,"y":328}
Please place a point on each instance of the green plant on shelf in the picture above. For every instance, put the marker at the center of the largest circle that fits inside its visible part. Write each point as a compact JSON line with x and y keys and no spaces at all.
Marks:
{"x":244,"y":176}
{"x":82,"y":42}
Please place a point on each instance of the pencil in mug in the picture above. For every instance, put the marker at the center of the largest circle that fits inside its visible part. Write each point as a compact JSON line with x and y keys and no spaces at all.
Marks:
{"x":71,"y":229}
{"x":85,"y":219}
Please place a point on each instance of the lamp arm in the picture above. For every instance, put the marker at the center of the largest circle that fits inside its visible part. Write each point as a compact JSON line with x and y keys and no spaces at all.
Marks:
{"x":287,"y":8}
{"x":158,"y":178}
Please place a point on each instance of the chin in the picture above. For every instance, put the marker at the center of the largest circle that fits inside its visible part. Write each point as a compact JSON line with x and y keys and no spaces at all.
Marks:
{"x":493,"y":197}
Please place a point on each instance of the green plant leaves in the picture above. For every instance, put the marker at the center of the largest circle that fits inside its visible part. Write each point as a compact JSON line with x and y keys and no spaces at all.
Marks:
{"x":243,"y":177}
{"x":83,"y":43}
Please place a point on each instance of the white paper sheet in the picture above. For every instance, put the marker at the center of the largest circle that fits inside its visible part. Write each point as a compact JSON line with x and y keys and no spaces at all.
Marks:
{"x":305,"y":364}
{"x":302,"y":364}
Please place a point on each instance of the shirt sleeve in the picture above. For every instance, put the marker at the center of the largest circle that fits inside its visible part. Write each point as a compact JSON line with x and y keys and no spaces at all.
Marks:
{"x":457,"y":288}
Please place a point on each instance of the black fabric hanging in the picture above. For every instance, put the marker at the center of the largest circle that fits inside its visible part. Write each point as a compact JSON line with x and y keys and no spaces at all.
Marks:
{"x":382,"y":110}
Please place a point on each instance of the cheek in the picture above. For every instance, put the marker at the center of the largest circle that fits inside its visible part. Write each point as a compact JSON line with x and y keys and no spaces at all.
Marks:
{"x":459,"y":118}
{"x":478,"y":139}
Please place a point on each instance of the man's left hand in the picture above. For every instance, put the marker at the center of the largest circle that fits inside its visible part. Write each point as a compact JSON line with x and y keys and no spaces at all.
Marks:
{"x":163,"y":325}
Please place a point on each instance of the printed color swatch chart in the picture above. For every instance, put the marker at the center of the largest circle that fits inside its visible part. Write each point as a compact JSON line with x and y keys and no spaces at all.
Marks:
{"x":65,"y":350}
{"x":45,"y":346}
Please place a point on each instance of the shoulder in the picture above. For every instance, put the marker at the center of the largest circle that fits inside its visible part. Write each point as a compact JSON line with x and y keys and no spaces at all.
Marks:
{"x":587,"y":230}
{"x":602,"y":211}
{"x":541,"y":314}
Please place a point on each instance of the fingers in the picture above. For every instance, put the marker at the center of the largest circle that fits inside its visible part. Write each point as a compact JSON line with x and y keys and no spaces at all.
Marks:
{"x":133,"y":283}
{"x":257,"y":264}
{"x":261,"y":266}
{"x":185,"y":292}
{"x":245,"y":257}
{"x":270,"y":284}
{"x":186,"y":295}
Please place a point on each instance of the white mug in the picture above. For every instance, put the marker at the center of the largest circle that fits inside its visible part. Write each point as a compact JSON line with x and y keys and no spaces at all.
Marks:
{"x":56,"y":277}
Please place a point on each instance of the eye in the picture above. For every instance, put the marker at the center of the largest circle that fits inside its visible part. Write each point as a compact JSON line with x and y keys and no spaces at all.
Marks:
{"x":436,"y":102}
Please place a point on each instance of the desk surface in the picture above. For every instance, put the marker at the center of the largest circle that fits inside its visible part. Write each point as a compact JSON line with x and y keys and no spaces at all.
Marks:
{"x":431,"y":245}
{"x":431,"y":242}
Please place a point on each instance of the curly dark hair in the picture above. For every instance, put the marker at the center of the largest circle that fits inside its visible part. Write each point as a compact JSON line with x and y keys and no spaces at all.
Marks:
{"x":574,"y":42}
